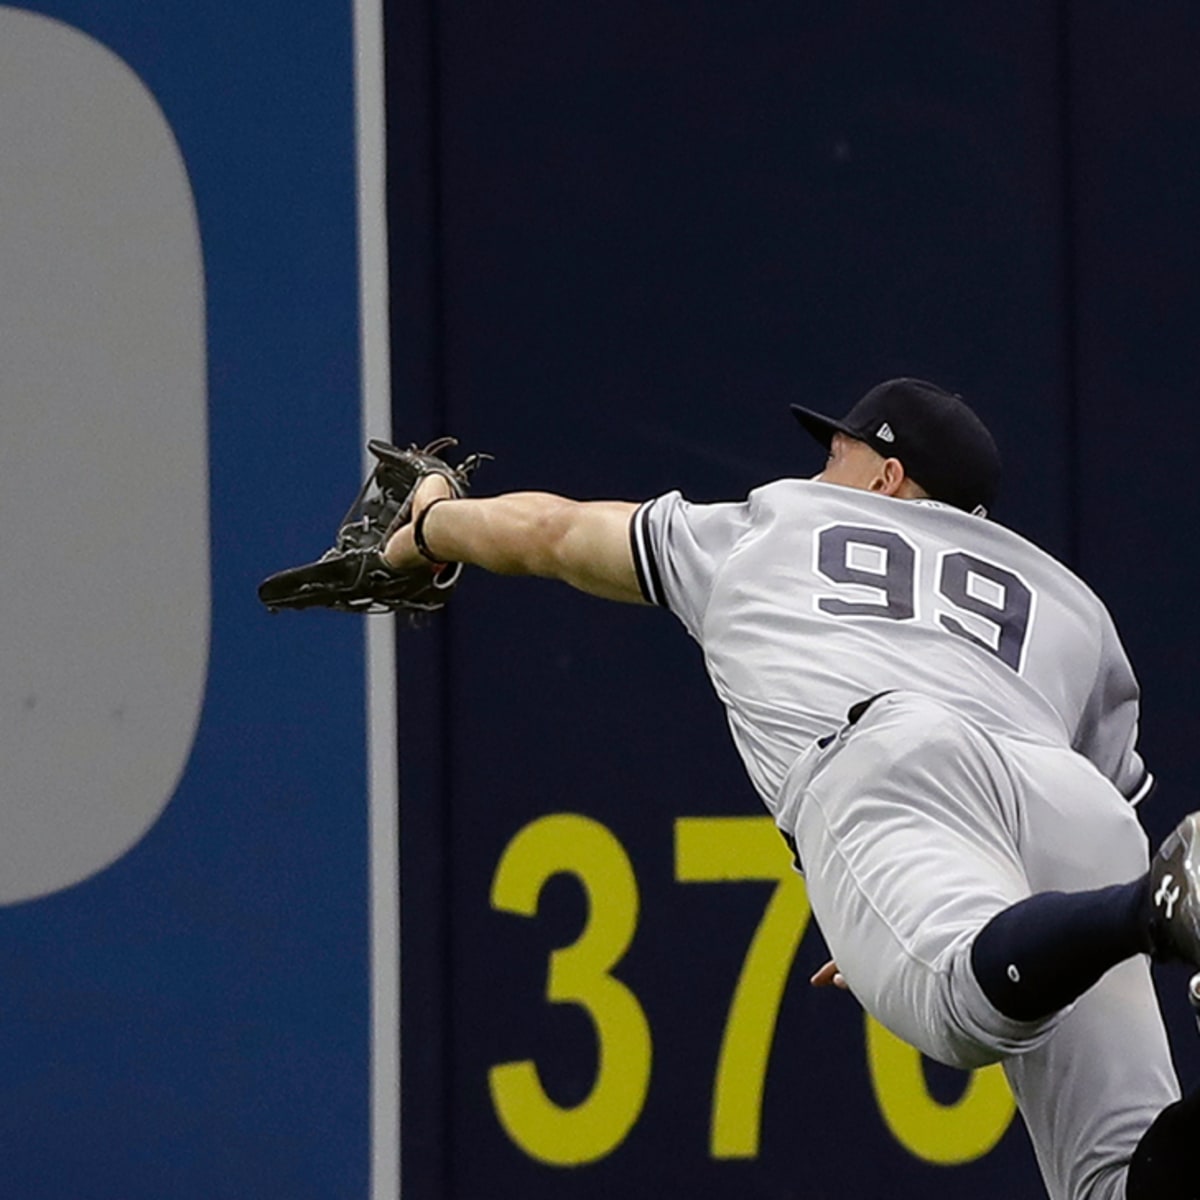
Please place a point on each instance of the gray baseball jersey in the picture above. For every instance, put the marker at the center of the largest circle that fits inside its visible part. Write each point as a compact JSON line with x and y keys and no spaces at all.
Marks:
{"x":808,"y":597}
{"x":998,"y":764}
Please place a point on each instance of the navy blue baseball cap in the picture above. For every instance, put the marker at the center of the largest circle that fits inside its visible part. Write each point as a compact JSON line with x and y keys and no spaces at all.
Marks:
{"x":944,"y":446}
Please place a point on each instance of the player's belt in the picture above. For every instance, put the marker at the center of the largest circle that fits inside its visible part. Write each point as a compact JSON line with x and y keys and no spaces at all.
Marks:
{"x":854,"y":714}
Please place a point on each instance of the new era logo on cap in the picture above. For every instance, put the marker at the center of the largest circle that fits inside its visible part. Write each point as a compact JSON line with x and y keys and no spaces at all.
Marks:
{"x":884,"y":433}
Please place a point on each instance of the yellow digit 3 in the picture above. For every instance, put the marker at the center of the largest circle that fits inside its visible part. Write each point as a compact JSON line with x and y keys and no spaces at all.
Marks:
{"x":580,"y":974}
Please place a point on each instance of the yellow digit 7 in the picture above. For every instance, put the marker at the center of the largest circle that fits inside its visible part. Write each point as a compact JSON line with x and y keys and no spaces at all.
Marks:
{"x":731,"y":849}
{"x":579,"y":974}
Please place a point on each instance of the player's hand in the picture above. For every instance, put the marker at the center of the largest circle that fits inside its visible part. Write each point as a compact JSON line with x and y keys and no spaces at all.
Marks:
{"x":401,"y":551}
{"x":829,"y":975}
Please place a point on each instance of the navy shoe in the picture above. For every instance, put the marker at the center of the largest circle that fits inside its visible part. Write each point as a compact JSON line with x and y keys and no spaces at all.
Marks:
{"x":1175,"y":895}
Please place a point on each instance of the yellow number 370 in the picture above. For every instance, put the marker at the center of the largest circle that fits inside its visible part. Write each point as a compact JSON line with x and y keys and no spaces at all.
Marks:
{"x":707,"y":850}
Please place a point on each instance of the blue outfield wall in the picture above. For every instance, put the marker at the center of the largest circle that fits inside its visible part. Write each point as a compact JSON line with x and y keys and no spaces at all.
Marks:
{"x":624,"y":237}
{"x":193,"y":1020}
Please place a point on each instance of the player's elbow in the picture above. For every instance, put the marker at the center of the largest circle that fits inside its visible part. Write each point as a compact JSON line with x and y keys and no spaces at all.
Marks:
{"x":552,"y":536}
{"x":581,"y":543}
{"x":523,"y":533}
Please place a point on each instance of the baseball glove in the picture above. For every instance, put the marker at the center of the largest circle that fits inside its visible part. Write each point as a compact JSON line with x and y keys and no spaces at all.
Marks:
{"x":352,"y":575}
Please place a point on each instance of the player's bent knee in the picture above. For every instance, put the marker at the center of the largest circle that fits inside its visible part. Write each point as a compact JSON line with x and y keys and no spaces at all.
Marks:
{"x":954,"y":1023}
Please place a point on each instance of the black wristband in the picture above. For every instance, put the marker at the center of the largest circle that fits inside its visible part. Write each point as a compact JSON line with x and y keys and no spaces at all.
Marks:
{"x":419,"y":533}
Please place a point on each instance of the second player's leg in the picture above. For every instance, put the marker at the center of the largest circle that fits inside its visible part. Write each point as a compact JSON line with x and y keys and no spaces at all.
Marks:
{"x":1092,"y":1090}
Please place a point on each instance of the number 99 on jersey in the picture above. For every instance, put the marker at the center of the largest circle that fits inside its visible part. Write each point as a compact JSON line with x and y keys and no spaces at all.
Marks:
{"x":707,"y":852}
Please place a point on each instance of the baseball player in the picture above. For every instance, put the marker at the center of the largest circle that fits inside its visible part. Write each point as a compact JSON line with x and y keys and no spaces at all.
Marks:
{"x":942,"y":722}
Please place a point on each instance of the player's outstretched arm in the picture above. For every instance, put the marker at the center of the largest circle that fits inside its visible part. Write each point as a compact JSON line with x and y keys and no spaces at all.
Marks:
{"x":583,"y":543}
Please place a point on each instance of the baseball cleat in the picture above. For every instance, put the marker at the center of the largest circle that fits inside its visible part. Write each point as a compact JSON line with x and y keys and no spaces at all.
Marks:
{"x":1175,"y":894}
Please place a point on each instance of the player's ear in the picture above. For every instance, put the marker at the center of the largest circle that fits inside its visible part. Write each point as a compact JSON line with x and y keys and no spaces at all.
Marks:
{"x":890,"y":478}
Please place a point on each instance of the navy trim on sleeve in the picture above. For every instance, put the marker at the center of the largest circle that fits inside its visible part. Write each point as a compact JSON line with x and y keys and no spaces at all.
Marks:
{"x":649,"y":579}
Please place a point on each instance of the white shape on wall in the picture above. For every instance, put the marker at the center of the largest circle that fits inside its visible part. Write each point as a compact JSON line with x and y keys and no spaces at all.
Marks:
{"x":104,"y":537}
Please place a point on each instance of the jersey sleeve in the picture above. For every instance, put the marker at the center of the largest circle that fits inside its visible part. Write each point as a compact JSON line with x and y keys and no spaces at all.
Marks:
{"x":678,"y":547}
{"x":1108,"y":726}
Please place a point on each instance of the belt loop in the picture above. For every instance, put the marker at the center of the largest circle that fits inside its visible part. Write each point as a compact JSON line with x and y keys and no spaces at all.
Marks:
{"x":859,"y":710}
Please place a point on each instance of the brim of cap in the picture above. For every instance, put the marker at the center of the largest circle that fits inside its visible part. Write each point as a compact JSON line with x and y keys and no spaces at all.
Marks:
{"x":821,"y":427}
